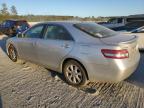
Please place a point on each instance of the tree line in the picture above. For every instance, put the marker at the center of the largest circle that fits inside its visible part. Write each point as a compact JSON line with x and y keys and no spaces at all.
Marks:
{"x":12,"y":13}
{"x":5,"y":11}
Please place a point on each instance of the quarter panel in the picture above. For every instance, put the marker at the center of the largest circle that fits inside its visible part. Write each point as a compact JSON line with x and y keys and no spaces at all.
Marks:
{"x":92,"y":59}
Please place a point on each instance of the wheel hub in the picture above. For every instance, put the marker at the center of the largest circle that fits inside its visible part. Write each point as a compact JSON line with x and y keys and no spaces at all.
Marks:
{"x":74,"y":74}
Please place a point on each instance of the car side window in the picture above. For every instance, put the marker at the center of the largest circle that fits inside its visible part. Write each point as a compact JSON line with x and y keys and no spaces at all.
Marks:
{"x":34,"y":32}
{"x":57,"y":32}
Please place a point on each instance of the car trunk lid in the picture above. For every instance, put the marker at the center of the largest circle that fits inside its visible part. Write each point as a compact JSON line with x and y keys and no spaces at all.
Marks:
{"x":119,"y":39}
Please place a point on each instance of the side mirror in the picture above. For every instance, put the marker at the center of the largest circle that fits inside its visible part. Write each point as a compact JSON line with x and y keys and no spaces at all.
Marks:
{"x":20,"y":35}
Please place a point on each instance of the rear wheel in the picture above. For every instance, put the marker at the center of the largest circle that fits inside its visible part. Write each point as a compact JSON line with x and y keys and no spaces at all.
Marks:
{"x":12,"y":53}
{"x":75,"y":73}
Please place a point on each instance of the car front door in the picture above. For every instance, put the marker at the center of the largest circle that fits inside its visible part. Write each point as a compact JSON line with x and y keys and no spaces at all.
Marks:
{"x":56,"y":44}
{"x":27,"y":43}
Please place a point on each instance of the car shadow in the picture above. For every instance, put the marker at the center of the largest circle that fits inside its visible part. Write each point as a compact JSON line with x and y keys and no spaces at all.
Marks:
{"x":59,"y":76}
{"x":1,"y":106}
{"x":56,"y":75}
{"x":137,"y":78}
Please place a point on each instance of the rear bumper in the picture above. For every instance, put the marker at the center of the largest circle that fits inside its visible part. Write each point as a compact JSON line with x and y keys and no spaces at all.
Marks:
{"x":115,"y":71}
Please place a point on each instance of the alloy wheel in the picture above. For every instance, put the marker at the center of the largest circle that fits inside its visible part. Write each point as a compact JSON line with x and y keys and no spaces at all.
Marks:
{"x":74,"y":74}
{"x":12,"y":53}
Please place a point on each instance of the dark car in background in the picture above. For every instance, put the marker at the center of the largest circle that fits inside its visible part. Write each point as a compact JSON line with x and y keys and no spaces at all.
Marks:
{"x":13,"y":27}
{"x":130,"y":26}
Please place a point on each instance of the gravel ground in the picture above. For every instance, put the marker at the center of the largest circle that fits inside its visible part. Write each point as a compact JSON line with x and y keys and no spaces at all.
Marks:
{"x":31,"y":86}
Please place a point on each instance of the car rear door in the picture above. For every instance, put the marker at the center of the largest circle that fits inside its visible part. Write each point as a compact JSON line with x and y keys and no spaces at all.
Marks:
{"x":56,"y":44}
{"x":27,"y":43}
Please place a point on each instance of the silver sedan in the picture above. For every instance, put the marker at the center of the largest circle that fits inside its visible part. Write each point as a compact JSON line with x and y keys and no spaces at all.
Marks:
{"x":82,"y":51}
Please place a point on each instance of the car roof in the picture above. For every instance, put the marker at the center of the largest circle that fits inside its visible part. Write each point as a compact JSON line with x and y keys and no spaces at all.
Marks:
{"x":61,"y":22}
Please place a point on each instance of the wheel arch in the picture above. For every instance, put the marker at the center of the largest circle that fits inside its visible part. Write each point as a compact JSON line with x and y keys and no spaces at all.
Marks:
{"x":68,"y":59}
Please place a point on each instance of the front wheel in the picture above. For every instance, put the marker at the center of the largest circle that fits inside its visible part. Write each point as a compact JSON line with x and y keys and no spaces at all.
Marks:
{"x":12,"y":53}
{"x":75,"y":73}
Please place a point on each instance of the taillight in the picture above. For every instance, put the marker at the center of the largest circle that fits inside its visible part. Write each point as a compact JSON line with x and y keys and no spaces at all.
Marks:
{"x":115,"y":54}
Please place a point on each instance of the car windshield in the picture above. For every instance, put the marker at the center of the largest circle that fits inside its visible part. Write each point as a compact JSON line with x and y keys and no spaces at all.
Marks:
{"x":95,"y":30}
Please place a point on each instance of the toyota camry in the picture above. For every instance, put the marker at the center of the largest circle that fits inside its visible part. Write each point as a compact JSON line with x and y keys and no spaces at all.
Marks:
{"x":82,"y":51}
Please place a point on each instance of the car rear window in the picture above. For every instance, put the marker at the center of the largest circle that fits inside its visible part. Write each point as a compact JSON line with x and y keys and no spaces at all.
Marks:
{"x":95,"y":30}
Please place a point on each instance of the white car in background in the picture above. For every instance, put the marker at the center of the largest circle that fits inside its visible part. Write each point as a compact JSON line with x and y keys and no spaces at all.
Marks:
{"x":140,"y":33}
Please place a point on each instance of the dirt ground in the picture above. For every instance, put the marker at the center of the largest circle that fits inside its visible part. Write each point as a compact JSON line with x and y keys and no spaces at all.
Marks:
{"x":31,"y":86}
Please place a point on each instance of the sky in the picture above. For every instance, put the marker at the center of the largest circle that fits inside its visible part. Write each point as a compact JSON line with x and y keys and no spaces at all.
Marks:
{"x":82,"y":8}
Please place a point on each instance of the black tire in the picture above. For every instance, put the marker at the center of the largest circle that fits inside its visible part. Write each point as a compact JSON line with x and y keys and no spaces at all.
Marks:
{"x":12,"y":53}
{"x":79,"y":68}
